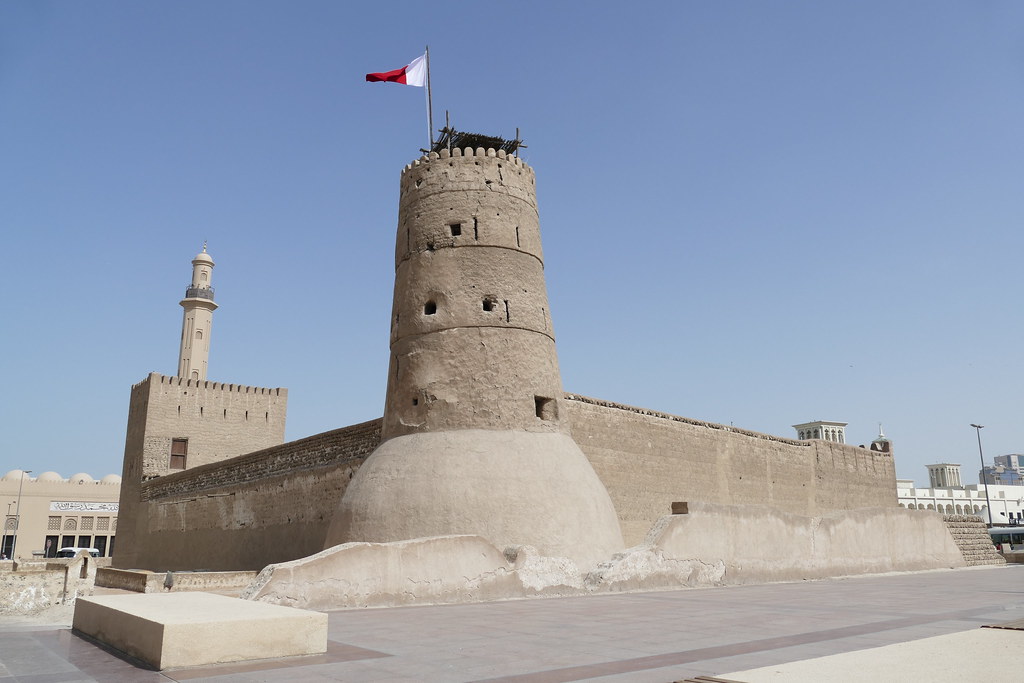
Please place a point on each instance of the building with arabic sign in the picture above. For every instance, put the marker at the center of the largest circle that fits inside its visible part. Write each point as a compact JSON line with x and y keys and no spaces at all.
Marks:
{"x":57,"y":512}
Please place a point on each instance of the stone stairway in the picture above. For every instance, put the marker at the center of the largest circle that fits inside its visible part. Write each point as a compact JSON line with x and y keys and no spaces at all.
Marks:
{"x":971,"y":536}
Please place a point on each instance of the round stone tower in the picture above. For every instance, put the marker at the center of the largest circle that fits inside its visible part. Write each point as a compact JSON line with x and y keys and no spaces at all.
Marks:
{"x":475,"y":438}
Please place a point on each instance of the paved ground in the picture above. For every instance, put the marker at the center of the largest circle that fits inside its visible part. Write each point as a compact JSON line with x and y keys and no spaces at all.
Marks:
{"x":642,"y":637}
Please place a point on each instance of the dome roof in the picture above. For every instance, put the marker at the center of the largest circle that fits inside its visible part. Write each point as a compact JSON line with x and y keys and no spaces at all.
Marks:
{"x":13,"y":475}
{"x":49,"y":476}
{"x":80,"y":478}
{"x":203,"y":256}
{"x":111,"y":479}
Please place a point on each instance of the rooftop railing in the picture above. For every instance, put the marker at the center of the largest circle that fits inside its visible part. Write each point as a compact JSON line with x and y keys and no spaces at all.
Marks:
{"x":199,"y":293}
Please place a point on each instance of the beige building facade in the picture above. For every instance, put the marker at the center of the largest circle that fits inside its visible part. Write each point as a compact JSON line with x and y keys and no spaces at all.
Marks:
{"x":57,"y":512}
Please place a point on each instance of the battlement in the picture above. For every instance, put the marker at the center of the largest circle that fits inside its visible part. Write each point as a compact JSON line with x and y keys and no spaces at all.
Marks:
{"x":479,"y":152}
{"x":155,"y":377}
{"x":686,"y":420}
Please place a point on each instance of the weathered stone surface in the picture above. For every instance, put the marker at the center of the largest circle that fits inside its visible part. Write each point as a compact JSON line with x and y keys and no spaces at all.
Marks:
{"x":426,"y":570}
{"x":192,"y":629}
{"x":648,"y":460}
{"x":512,"y":488}
{"x":738,"y":544}
{"x":31,"y":587}
{"x":971,"y":536}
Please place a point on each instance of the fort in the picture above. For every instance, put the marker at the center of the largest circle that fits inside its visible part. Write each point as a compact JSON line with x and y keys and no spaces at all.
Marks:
{"x":479,"y":447}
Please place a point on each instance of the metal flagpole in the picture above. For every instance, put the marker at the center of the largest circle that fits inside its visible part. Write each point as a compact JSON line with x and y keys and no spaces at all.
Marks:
{"x":430,"y":104}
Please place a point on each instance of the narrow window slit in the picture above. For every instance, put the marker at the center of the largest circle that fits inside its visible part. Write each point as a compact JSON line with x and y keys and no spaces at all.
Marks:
{"x":476,"y":231}
{"x":508,"y":315}
{"x":517,"y":237}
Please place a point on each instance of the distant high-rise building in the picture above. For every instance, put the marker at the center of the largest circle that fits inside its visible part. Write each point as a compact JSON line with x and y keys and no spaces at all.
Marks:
{"x":1000,"y":474}
{"x":1013,"y":461}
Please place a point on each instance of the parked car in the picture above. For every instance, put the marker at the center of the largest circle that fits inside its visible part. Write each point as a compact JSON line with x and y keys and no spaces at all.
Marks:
{"x":71,"y":552}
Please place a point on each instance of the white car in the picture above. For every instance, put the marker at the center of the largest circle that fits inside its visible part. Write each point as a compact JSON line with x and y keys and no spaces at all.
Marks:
{"x":71,"y":552}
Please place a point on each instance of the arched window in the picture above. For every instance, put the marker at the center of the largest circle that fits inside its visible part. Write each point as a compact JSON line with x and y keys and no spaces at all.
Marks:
{"x":930,"y":506}
{"x":199,"y":334}
{"x":817,"y":433}
{"x":70,"y":524}
{"x":912,"y":506}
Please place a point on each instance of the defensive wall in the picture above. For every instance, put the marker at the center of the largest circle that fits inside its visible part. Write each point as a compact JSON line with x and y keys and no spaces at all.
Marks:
{"x":275,"y":505}
{"x":648,"y":460}
{"x":268,"y":506}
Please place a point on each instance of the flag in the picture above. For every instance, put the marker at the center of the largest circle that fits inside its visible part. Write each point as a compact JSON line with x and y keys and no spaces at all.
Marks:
{"x":414,"y":73}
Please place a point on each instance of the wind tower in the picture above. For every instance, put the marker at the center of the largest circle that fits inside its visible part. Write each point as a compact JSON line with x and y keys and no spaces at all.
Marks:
{"x":198,"y":319}
{"x":475,"y":438}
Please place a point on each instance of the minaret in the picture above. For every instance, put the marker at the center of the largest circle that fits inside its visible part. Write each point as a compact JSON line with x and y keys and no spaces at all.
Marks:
{"x":475,"y":438}
{"x":198,"y":319}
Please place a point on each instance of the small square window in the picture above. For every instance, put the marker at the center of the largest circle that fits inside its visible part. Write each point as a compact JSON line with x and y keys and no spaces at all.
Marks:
{"x":456,"y":229}
{"x":547,"y":408}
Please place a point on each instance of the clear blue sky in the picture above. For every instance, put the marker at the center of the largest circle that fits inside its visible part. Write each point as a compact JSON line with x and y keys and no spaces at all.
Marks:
{"x":757,"y":213}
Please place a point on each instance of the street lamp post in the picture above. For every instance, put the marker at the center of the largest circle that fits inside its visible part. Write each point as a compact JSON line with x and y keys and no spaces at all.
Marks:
{"x":17,"y":513}
{"x":988,"y":503}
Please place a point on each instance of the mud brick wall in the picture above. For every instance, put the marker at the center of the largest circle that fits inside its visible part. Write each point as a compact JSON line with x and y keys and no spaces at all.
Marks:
{"x":244,"y":513}
{"x":648,"y":460}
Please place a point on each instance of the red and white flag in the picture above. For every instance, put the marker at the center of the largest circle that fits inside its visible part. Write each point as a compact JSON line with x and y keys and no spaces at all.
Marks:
{"x":414,"y":73}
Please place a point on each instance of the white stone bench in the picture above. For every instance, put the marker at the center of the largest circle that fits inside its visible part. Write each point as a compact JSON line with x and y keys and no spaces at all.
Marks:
{"x":191,"y":629}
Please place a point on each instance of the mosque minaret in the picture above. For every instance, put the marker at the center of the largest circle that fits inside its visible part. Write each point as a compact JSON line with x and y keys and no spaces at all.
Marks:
{"x":198,"y":319}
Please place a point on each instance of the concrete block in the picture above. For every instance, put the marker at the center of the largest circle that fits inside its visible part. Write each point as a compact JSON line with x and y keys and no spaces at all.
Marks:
{"x":193,"y":629}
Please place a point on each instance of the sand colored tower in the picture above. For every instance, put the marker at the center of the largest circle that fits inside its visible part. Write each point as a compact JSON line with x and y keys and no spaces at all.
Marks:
{"x":198,"y":319}
{"x":475,"y":438}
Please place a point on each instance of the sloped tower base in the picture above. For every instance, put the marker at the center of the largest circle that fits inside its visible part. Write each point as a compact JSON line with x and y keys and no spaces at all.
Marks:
{"x":512,"y":488}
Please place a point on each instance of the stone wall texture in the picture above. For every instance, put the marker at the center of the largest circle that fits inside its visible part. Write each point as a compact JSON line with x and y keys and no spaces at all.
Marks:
{"x":648,"y":460}
{"x":244,"y":513}
{"x":971,"y":535}
{"x":219,"y":420}
{"x":275,"y":505}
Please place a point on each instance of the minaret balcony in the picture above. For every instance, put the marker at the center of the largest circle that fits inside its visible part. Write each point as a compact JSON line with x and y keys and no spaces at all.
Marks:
{"x":199,"y":293}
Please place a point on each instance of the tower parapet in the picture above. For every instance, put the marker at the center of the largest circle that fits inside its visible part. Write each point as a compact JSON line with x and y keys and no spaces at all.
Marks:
{"x":474,"y":439}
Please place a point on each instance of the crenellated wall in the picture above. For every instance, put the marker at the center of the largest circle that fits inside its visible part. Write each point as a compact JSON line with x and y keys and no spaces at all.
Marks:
{"x":218,"y":420}
{"x":269,"y":506}
{"x":648,"y":460}
{"x":274,"y":505}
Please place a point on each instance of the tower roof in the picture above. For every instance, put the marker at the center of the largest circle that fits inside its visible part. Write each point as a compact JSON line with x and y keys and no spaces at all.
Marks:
{"x":203,"y":256}
{"x":452,"y":138}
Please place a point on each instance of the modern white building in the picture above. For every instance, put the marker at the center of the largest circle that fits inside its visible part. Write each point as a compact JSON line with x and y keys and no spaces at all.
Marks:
{"x":949,"y":498}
